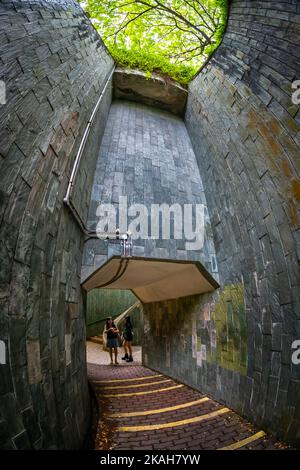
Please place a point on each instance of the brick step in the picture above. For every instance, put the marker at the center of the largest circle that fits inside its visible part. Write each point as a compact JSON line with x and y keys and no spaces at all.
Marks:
{"x":166,"y":416}
{"x":96,"y":339}
{"x":205,"y":424}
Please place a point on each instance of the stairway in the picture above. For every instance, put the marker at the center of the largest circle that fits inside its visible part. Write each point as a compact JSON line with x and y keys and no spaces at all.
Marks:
{"x":143,"y":409}
{"x":96,"y":339}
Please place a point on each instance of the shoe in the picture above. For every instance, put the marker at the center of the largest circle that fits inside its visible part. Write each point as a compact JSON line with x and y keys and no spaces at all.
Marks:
{"x":125,"y":357}
{"x":130,"y":359}
{"x":116,"y":363}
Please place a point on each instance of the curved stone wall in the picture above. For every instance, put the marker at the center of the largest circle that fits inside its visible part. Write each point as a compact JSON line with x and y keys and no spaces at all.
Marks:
{"x":54,"y":66}
{"x":245,"y":130}
{"x":146,"y":156}
{"x":235,"y":345}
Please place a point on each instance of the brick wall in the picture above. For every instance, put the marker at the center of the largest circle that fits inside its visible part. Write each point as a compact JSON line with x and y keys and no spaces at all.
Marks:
{"x":246,"y":134}
{"x":54,"y":66}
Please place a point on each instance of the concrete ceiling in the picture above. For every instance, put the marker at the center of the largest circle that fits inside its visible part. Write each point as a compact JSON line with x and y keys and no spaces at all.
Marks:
{"x":152,"y":280}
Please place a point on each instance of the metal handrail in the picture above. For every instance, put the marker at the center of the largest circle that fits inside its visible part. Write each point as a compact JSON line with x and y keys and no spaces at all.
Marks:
{"x":67,"y":199}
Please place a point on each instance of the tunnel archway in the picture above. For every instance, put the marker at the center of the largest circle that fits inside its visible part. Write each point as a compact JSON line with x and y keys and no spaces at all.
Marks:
{"x":245,"y":134}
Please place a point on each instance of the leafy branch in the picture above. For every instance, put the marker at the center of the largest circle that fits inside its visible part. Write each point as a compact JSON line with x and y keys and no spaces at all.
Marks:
{"x":179,"y":31}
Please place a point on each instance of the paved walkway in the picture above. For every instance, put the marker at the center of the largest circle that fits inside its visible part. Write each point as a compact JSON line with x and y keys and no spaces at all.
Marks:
{"x":96,"y":355}
{"x":142,"y":409}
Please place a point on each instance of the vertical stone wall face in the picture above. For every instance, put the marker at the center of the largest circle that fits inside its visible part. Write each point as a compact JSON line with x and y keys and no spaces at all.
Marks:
{"x":246,"y":134}
{"x":146,"y":155}
{"x":54,"y":66}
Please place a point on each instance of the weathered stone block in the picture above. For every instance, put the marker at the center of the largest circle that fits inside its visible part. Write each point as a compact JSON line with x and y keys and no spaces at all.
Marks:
{"x":33,"y":362}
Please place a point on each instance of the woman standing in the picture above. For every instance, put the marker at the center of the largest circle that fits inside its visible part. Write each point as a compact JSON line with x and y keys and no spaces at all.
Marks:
{"x":128,"y":336}
{"x":112,"y":334}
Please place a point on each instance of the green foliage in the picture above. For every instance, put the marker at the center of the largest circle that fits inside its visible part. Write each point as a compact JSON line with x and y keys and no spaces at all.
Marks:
{"x":173,"y":37}
{"x":137,"y":59}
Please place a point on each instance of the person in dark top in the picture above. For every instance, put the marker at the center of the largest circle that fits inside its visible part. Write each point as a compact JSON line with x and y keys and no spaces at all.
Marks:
{"x":128,"y":337}
{"x":112,"y":334}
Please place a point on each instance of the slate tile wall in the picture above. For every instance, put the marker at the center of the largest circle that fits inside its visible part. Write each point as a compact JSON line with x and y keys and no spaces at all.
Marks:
{"x":245,"y":131}
{"x":146,"y":155}
{"x":54,"y":65}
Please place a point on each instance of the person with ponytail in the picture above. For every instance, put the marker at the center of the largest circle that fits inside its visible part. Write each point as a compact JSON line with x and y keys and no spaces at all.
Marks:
{"x":128,"y":337}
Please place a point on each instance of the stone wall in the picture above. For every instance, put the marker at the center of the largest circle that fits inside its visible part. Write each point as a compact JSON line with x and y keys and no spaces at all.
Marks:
{"x":202,"y":341}
{"x":146,"y":155}
{"x":54,"y":66}
{"x":245,"y":132}
{"x":156,"y":91}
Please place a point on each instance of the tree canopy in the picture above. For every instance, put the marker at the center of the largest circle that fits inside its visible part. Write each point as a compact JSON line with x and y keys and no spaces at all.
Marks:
{"x":171,"y":36}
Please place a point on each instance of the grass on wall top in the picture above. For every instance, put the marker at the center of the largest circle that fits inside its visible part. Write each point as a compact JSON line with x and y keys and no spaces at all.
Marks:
{"x":171,"y":37}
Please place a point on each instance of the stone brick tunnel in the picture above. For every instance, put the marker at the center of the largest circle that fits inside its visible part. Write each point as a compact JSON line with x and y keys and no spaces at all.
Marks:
{"x":231,"y":142}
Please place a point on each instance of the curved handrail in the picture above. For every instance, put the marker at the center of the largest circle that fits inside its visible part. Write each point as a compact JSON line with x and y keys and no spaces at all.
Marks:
{"x":67,"y":199}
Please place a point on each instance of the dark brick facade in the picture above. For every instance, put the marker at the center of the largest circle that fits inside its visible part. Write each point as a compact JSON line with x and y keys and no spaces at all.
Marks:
{"x":54,"y":66}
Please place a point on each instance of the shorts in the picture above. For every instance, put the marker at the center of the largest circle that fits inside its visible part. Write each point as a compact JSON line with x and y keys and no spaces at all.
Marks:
{"x":112,"y":343}
{"x":128,"y":336}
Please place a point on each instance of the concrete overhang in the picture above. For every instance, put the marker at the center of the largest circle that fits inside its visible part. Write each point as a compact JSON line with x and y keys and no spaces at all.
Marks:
{"x":160,"y":92}
{"x":152,"y":279}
